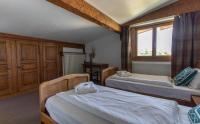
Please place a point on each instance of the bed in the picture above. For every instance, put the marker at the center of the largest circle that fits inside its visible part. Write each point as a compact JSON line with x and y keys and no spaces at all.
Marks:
{"x":56,"y":107}
{"x":50,"y":88}
{"x":182,"y":94}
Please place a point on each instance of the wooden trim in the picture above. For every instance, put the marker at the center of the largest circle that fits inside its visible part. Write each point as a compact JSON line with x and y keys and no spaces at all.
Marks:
{"x":177,"y":8}
{"x":154,"y":24}
{"x":85,"y":10}
{"x":154,"y":57}
{"x":27,"y":38}
{"x":151,"y":58}
{"x":107,"y":73}
{"x":50,"y":88}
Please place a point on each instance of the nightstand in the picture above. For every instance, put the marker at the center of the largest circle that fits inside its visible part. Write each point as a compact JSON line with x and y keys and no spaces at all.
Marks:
{"x":196,"y":100}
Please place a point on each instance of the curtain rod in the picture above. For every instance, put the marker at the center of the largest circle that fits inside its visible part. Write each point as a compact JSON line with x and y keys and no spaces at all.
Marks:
{"x":169,"y":18}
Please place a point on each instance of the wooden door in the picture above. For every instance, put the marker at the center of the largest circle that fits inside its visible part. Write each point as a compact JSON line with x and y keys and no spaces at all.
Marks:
{"x":28,"y":65}
{"x":51,"y":61}
{"x":6,"y":77}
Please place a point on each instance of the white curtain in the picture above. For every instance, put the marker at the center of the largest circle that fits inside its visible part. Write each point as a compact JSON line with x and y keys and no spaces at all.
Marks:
{"x":72,"y":63}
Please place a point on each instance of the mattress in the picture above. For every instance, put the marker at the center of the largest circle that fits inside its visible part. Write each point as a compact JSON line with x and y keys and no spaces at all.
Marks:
{"x":144,"y":78}
{"x":66,"y":113}
{"x":178,"y":92}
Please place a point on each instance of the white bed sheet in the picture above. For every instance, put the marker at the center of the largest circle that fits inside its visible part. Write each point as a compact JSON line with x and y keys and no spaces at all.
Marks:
{"x":146,"y":79}
{"x":178,"y":92}
{"x":66,"y":113}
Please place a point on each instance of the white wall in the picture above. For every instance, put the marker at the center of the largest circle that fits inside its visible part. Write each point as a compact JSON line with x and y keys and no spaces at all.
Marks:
{"x":107,"y":49}
{"x":153,"y":68}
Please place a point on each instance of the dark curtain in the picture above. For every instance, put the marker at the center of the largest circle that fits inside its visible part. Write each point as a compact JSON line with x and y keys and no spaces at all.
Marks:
{"x":185,"y":41}
{"x":126,"y":55}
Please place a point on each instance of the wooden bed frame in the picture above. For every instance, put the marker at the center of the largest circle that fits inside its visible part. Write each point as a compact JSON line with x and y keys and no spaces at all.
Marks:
{"x":112,"y":70}
{"x":50,"y":88}
{"x":65,"y":83}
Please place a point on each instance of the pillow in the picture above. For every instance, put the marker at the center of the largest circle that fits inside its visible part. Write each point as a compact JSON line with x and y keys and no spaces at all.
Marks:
{"x":123,"y":73}
{"x":194,"y":115}
{"x":195,"y":83}
{"x":185,"y":77}
{"x":87,"y":87}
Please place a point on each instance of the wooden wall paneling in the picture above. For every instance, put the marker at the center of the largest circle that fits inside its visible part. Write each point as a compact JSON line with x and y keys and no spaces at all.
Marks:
{"x":179,"y":7}
{"x":26,"y":61}
{"x":14,"y":64}
{"x":28,"y":71}
{"x":6,"y":81}
{"x":51,"y":61}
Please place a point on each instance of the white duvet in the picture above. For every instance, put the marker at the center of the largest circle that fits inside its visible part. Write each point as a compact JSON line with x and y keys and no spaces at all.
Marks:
{"x":147,"y":79}
{"x":126,"y":108}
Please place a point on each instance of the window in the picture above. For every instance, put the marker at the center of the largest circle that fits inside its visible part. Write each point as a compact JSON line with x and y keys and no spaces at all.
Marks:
{"x":154,"y":42}
{"x":144,"y":42}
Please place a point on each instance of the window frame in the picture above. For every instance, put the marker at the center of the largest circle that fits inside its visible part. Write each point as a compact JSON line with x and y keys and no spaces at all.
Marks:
{"x":154,"y":57}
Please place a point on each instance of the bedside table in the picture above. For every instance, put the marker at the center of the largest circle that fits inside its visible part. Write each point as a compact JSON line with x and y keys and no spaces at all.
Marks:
{"x":196,"y":100}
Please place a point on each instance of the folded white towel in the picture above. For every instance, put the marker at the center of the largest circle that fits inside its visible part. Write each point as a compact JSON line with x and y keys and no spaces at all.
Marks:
{"x":87,"y":87}
{"x":123,"y":73}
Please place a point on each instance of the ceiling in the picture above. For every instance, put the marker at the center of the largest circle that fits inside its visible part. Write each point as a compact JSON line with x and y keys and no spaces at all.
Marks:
{"x":39,"y":18}
{"x":125,"y":10}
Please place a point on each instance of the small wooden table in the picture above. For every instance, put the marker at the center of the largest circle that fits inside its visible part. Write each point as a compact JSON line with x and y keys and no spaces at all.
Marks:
{"x":196,"y":100}
{"x":98,"y":66}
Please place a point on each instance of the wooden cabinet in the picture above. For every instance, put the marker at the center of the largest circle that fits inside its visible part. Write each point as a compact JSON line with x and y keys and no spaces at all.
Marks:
{"x":6,"y":77}
{"x":28,"y":72}
{"x":25,"y":62}
{"x":50,"y":61}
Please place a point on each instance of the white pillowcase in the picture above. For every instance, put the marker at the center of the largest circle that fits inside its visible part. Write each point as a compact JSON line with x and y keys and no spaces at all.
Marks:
{"x":195,"y":83}
{"x":123,"y":73}
{"x":87,"y":87}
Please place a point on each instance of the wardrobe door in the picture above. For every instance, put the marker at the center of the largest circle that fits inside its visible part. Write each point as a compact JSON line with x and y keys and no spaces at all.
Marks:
{"x":28,"y":65}
{"x":6,"y":78}
{"x":51,"y":62}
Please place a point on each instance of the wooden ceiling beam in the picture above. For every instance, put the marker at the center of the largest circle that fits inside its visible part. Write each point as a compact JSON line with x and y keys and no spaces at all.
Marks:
{"x":85,"y":10}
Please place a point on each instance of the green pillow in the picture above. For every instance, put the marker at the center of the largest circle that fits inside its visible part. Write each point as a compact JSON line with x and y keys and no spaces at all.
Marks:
{"x":185,"y":77}
{"x":194,"y":115}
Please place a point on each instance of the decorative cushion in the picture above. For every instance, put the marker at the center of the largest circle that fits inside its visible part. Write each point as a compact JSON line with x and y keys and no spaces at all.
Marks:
{"x":185,"y":77}
{"x":194,"y":115}
{"x":195,"y":83}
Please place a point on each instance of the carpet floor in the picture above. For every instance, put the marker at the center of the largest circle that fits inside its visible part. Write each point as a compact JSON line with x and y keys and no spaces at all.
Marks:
{"x":23,"y":109}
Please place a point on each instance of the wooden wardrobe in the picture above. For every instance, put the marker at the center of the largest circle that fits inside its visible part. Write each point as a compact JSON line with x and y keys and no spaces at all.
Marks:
{"x":25,"y":62}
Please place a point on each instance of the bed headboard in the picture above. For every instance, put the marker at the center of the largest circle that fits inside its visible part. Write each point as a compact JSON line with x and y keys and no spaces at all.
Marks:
{"x":50,"y":88}
{"x":107,"y":73}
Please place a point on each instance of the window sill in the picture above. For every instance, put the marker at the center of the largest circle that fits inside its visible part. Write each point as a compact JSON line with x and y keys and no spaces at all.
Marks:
{"x":150,"y":58}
